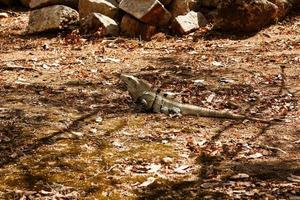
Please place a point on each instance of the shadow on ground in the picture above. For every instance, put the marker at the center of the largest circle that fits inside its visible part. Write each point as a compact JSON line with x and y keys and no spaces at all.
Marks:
{"x":265,"y":176}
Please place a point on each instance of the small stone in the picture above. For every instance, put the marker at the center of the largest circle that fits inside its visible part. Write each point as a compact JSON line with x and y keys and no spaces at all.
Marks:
{"x":240,"y":176}
{"x":184,"y":24}
{"x":167,"y":160}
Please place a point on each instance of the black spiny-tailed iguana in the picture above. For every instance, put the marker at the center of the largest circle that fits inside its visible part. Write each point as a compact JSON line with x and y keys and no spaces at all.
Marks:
{"x":153,"y":100}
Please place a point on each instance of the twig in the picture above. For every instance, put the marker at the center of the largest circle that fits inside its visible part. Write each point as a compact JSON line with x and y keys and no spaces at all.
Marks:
{"x":274,"y":148}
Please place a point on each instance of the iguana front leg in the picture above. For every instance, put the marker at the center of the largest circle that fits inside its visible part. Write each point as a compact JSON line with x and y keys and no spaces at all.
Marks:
{"x":147,"y":101}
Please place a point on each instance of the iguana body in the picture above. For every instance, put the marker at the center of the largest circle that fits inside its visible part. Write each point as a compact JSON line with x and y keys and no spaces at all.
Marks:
{"x":154,"y":101}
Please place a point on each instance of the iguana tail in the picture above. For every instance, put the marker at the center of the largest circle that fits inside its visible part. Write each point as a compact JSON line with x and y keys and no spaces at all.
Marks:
{"x":187,"y":109}
{"x":204,"y":112}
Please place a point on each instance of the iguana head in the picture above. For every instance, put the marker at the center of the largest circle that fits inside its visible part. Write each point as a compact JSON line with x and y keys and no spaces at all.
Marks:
{"x":136,"y":87}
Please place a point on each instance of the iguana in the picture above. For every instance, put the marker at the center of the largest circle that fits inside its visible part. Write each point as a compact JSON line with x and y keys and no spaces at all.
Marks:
{"x":156,"y":101}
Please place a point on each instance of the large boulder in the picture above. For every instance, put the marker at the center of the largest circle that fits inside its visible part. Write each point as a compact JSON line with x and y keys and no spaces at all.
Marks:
{"x":132,"y":27}
{"x":50,"y":18}
{"x":96,"y":21}
{"x":44,"y":3}
{"x":148,"y":11}
{"x":245,"y":15}
{"x":184,"y":24}
{"x":105,"y":7}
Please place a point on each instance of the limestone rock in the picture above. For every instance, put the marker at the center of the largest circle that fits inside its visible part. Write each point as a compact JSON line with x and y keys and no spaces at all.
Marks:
{"x":133,"y":28}
{"x":245,"y":15}
{"x":52,"y":18}
{"x":106,"y":7}
{"x":94,"y":21}
{"x":184,"y":24}
{"x":148,"y":11}
{"x":44,"y":3}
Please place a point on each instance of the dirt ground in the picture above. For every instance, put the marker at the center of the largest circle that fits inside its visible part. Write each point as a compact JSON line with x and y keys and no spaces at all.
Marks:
{"x":69,"y":130}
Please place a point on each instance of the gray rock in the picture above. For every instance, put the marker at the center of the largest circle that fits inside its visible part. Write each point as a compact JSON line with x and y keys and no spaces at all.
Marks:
{"x":50,"y":18}
{"x":151,"y":12}
{"x":184,"y":24}
{"x":95,"y":21}
{"x":105,"y":7}
{"x":245,"y":15}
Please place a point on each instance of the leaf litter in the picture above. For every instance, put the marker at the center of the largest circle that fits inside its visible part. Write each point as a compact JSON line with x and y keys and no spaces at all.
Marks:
{"x":53,"y":89}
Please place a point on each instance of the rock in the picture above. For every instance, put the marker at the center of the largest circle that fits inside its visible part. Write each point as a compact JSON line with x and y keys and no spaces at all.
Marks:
{"x":151,"y":12}
{"x":105,"y":7}
{"x":182,"y":7}
{"x":184,"y":24}
{"x":133,"y":28}
{"x":3,"y":15}
{"x":52,"y":18}
{"x":44,"y":3}
{"x":245,"y":16}
{"x":94,"y":21}
{"x":284,"y":7}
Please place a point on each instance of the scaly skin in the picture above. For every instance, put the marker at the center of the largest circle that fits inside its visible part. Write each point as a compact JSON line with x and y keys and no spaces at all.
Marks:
{"x":136,"y":87}
{"x":142,"y":92}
